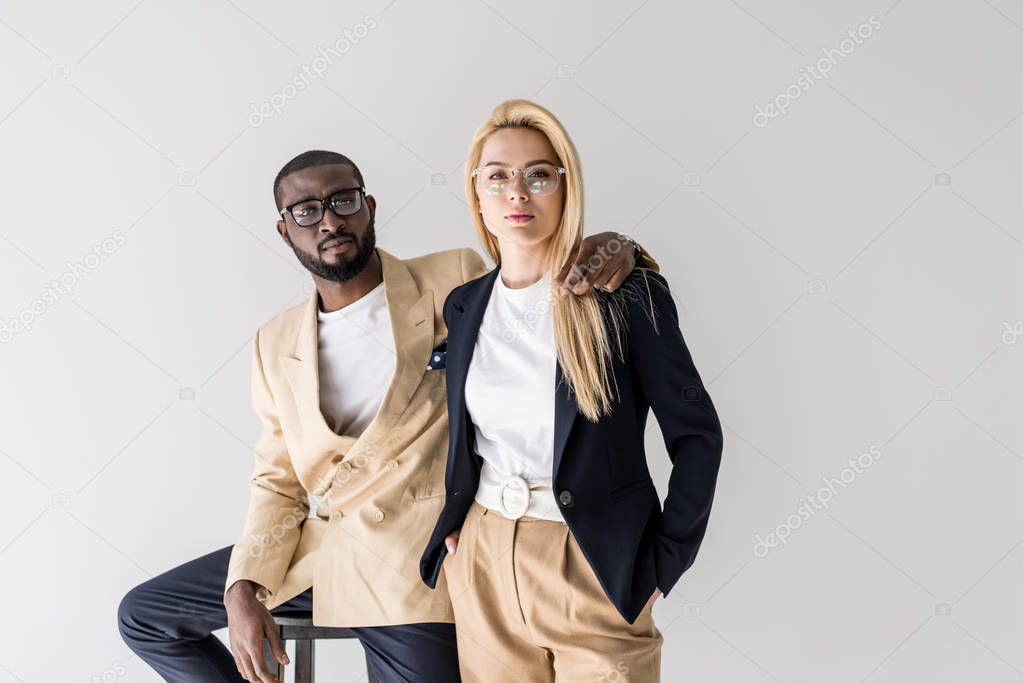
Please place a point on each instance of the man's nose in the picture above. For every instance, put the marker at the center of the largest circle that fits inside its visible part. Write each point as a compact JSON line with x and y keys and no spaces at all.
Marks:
{"x":331,"y":222}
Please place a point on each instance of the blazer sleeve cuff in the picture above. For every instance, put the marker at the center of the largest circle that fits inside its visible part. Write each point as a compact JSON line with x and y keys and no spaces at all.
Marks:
{"x":268,"y":576}
{"x":430,"y":565}
{"x":668,"y":566}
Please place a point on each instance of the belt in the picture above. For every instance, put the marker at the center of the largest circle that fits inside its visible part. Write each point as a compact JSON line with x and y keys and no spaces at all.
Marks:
{"x":514,"y":497}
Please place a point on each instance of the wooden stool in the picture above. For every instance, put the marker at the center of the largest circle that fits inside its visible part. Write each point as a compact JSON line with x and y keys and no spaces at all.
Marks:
{"x":305,"y":635}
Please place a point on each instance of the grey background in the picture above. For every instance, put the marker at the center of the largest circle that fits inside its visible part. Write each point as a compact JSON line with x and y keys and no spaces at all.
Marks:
{"x":848,"y":277}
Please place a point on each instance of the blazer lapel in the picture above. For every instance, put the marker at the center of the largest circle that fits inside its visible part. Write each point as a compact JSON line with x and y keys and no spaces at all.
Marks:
{"x":467,"y":317}
{"x":565,"y":412}
{"x":412,"y":326}
{"x":302,"y":371}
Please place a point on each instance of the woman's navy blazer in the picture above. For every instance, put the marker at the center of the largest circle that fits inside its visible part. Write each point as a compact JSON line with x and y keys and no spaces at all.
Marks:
{"x":600,"y":477}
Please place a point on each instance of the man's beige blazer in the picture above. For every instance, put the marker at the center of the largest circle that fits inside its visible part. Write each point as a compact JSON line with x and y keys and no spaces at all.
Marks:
{"x":383,"y":491}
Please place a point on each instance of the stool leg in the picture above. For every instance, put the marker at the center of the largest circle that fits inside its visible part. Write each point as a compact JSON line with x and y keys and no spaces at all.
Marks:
{"x":271,"y":664}
{"x":305,"y":661}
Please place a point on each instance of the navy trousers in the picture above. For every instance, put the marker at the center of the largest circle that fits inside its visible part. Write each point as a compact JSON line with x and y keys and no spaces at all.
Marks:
{"x":169,"y":621}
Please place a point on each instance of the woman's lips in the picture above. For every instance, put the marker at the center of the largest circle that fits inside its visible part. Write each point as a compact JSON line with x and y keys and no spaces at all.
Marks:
{"x":519,"y":218}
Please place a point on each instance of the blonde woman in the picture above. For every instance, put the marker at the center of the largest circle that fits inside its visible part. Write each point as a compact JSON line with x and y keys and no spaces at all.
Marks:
{"x":558,"y":542}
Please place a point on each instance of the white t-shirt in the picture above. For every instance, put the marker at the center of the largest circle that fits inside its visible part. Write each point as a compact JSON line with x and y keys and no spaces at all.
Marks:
{"x":357,"y":361}
{"x":509,"y":388}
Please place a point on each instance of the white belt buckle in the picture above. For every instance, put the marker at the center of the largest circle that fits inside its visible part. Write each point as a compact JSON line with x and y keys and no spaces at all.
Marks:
{"x":514,"y":497}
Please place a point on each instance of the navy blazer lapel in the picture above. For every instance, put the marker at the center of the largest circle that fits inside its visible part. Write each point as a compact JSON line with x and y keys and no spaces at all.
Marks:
{"x":565,"y":411}
{"x":466,"y":317}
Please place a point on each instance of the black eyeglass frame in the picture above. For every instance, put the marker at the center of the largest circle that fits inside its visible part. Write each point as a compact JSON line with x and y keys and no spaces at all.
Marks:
{"x":324,"y":205}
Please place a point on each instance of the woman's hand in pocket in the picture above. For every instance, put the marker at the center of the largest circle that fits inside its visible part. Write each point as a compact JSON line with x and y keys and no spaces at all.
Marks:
{"x":451,"y":542}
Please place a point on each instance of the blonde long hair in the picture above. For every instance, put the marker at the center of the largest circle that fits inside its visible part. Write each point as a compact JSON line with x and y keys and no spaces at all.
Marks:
{"x":581,"y":336}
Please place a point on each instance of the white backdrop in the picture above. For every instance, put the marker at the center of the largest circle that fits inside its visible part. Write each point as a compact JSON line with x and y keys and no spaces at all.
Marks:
{"x":832,"y":189}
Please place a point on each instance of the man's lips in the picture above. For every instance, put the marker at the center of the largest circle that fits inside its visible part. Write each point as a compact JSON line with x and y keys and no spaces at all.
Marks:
{"x":336,"y":244}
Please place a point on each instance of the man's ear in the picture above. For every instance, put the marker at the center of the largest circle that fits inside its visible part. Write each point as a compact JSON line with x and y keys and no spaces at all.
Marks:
{"x":282,"y":230}
{"x":371,"y":202}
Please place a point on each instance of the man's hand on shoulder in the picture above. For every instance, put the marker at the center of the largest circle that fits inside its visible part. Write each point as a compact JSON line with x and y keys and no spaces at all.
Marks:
{"x":603,"y":261}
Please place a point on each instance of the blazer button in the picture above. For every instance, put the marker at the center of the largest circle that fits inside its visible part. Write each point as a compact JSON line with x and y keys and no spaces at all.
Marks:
{"x":565,"y":497}
{"x":346,"y":466}
{"x":336,"y":515}
{"x":393,"y":464}
{"x":378,"y":515}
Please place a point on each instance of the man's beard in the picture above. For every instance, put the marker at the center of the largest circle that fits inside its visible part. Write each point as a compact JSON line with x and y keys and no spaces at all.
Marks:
{"x":344,"y":269}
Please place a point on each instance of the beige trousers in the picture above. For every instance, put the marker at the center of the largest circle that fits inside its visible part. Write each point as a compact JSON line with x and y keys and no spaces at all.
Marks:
{"x":528,"y":608}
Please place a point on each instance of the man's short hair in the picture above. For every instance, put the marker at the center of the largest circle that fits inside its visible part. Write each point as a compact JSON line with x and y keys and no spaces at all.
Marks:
{"x":316,"y":157}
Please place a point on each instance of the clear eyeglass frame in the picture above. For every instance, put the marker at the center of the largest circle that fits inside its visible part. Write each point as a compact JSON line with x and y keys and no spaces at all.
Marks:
{"x":495,"y":188}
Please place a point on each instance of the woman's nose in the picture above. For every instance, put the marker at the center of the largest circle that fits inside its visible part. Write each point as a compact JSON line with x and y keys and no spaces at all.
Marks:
{"x":517,"y":190}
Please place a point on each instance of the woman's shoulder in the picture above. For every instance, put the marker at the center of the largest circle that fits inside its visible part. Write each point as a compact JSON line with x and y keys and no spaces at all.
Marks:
{"x":475,"y":283}
{"x":461,"y":292}
{"x":643,"y":277}
{"x":643,"y":298}
{"x":642,"y":287}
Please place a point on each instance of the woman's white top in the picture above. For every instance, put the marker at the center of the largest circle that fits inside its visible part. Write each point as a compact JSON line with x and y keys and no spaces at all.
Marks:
{"x":509,"y":388}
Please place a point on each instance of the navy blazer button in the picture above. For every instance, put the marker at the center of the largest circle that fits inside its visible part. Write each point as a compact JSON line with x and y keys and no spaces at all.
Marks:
{"x":565,"y":497}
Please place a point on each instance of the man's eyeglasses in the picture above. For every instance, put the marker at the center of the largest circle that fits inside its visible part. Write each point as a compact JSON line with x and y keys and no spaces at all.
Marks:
{"x":310,"y":212}
{"x":540,"y":179}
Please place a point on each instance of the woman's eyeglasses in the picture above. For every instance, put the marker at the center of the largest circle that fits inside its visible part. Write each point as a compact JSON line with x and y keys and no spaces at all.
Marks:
{"x":540,"y":179}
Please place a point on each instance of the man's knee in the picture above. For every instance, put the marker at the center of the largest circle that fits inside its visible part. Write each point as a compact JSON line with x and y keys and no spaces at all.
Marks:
{"x":129,"y":613}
